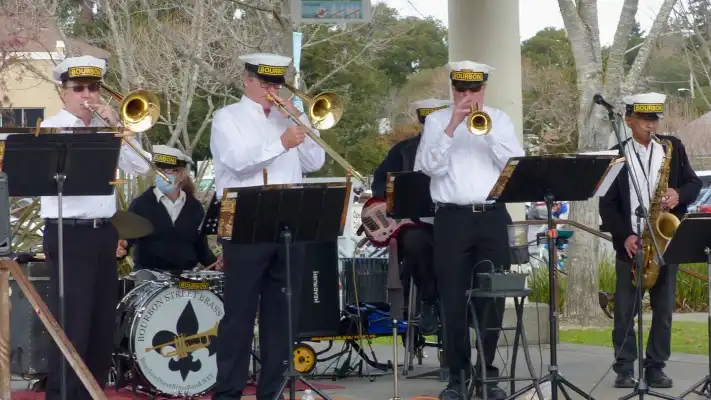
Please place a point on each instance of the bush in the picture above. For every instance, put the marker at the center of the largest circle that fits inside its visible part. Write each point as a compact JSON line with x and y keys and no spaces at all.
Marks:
{"x":691,"y":292}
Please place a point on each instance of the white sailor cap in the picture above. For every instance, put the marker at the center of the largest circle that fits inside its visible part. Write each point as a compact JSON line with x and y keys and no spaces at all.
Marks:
{"x":169,"y":157}
{"x":468,"y":74}
{"x":646,"y":105}
{"x":423,"y":108}
{"x":268,"y":67}
{"x":87,"y":67}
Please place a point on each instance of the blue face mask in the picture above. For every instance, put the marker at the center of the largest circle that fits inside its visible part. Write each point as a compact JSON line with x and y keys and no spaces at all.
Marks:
{"x":164,"y":186}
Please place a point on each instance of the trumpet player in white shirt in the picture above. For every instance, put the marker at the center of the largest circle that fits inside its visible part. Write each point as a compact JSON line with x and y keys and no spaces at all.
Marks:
{"x":247,"y":138}
{"x":469,"y":232}
{"x":91,"y":271}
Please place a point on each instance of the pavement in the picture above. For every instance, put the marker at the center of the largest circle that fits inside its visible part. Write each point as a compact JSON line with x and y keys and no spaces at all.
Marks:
{"x":588,"y":367}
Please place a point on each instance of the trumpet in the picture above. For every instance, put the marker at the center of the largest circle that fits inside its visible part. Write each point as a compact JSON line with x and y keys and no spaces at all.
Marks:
{"x":139,"y":111}
{"x":324,"y":111}
{"x":185,"y":345}
{"x":478,"y":122}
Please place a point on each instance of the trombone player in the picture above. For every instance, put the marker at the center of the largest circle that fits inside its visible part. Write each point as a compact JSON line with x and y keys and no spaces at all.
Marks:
{"x":464,"y":152}
{"x":91,"y":273}
{"x":247,"y":138}
{"x":618,"y":212}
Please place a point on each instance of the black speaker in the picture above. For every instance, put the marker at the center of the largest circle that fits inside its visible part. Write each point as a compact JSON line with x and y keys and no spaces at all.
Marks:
{"x":29,"y":340}
{"x":320,"y":310}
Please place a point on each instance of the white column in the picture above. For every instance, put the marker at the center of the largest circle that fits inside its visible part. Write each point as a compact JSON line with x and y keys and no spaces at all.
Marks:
{"x":487,"y":31}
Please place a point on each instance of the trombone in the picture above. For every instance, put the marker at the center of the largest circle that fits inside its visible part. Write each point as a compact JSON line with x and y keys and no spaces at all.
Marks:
{"x":478,"y":122}
{"x":324,"y":111}
{"x":139,"y":111}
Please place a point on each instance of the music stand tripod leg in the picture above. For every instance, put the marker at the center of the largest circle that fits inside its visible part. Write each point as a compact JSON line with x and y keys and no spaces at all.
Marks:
{"x":291,"y":376}
{"x":706,"y":382}
{"x":554,"y":377}
{"x":60,"y":178}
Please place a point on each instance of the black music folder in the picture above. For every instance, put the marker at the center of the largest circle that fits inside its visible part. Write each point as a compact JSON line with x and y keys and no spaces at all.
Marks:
{"x":312,"y":212}
{"x":408,"y":195}
{"x":566,"y":177}
{"x":88,"y":162}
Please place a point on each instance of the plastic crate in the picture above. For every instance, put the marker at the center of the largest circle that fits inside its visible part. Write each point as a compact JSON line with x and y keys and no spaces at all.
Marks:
{"x":371,"y":278}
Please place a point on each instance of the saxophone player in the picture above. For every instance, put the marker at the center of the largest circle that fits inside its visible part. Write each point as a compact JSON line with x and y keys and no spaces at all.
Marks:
{"x":617,"y":210}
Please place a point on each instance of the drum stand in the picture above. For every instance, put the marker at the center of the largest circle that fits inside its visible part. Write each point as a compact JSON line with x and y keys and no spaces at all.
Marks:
{"x":291,"y":376}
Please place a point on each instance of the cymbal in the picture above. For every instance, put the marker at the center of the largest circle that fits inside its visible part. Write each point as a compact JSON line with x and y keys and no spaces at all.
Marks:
{"x":130,"y":225}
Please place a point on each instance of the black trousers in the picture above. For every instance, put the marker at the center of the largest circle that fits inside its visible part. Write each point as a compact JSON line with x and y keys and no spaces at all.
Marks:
{"x":416,"y":248}
{"x":256,"y":274}
{"x":463,"y":239}
{"x":90,"y":287}
{"x":663,"y":302}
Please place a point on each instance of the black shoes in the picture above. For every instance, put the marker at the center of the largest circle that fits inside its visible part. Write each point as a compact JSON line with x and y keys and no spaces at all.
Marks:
{"x":656,"y":378}
{"x":492,"y":392}
{"x":450,"y":393}
{"x":625,"y":380}
{"x":429,"y":319}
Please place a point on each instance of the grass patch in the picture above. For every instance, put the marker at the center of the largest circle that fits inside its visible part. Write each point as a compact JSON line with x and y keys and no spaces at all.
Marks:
{"x":687,"y":337}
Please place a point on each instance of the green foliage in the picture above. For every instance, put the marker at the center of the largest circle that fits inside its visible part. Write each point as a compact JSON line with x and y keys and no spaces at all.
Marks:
{"x":549,"y":46}
{"x":691,"y":292}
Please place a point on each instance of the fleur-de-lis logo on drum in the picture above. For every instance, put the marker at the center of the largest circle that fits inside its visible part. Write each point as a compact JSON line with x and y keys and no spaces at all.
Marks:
{"x":185,"y":341}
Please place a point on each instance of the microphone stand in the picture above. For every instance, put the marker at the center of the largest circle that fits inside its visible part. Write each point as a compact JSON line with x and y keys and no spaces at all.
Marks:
{"x":642,"y":388}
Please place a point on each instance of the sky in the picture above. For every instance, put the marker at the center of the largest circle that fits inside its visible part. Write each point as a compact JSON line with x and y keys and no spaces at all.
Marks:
{"x":535,"y":15}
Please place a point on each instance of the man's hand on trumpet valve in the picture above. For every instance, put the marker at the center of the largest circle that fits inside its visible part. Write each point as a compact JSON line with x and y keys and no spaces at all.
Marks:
{"x":460,"y":113}
{"x":293,"y":136}
{"x":121,"y":250}
{"x":107,"y":113}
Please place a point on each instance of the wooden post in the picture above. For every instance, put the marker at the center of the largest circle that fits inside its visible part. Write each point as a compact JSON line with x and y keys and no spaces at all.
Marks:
{"x":5,"y":378}
{"x":49,"y":322}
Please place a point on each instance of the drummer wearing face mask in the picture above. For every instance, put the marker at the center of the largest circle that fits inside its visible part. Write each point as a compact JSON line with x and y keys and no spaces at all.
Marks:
{"x":176,"y":244}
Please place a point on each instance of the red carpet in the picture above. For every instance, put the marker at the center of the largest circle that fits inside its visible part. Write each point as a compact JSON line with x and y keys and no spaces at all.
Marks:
{"x":125,"y":394}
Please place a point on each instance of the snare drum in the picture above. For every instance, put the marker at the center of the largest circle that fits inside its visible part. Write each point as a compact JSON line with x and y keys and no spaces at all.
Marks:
{"x":166,"y":334}
{"x":214,"y":279}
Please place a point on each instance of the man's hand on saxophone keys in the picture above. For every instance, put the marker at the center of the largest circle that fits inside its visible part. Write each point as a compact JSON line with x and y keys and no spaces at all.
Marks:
{"x":671,"y":199}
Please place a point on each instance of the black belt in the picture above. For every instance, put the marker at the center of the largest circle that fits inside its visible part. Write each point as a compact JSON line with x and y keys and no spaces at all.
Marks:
{"x":470,"y":207}
{"x":94,"y":222}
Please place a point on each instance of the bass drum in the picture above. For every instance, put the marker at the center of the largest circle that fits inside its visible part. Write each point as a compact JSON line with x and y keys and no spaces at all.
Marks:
{"x":165,"y":343}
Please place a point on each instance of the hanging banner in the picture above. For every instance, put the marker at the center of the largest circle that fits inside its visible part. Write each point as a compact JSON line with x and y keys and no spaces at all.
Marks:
{"x":331,"y":11}
{"x":297,"y":67}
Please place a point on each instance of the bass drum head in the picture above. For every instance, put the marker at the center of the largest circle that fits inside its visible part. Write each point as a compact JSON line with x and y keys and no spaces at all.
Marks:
{"x":173,"y":340}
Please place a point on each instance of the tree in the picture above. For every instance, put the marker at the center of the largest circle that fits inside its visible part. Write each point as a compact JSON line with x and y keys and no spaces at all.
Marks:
{"x":581,"y":23}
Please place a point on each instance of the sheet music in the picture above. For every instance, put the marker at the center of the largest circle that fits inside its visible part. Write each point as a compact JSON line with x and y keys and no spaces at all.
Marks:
{"x":609,"y":177}
{"x":602,"y":153}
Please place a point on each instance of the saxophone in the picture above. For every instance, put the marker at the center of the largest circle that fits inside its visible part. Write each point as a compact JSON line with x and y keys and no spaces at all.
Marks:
{"x":663,"y":222}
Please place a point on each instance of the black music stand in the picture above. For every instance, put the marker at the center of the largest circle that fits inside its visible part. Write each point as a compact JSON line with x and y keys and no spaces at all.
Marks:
{"x":61,"y":165}
{"x":551,"y":178}
{"x":691,"y":243}
{"x":289,"y":213}
{"x":412,"y":200}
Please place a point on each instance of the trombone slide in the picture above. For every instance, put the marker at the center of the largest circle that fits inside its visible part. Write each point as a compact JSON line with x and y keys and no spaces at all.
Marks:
{"x":316,"y":138}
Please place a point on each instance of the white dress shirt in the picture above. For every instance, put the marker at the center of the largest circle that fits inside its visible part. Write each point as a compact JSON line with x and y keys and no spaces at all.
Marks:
{"x":244,"y":141}
{"x":89,"y":207}
{"x":646,"y":173}
{"x":173,"y":207}
{"x":464,"y":168}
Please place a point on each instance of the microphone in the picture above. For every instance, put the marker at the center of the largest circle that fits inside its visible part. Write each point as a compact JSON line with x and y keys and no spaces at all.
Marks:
{"x":597,"y":99}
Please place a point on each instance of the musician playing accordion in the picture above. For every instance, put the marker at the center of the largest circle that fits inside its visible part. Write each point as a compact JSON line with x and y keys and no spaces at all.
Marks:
{"x":617,"y":210}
